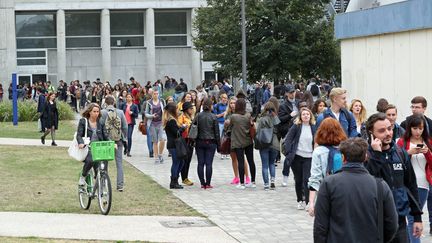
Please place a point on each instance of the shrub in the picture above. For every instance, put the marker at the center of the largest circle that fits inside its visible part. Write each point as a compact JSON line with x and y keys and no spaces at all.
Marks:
{"x":27,"y":111}
{"x":167,"y":93}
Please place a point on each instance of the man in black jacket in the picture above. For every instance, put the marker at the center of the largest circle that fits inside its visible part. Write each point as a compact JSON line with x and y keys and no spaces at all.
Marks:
{"x":351,"y":203}
{"x":391,"y":163}
{"x":287,"y":111}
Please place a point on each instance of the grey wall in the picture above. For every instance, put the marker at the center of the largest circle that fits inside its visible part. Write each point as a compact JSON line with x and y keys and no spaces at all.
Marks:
{"x":83,"y":64}
{"x":174,"y":62}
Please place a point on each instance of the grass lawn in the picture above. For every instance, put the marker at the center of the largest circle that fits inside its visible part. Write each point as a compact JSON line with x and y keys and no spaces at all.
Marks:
{"x":38,"y":179}
{"x":30,"y":130}
{"x":35,"y":239}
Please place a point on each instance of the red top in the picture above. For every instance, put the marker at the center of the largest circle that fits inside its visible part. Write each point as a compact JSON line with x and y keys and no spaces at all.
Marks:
{"x":134,"y":93}
{"x":127,"y":114}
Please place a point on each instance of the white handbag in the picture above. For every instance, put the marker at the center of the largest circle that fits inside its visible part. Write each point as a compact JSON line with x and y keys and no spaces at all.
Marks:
{"x":74,"y":150}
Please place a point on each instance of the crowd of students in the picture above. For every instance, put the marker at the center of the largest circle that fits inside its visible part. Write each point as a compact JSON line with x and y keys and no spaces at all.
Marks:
{"x":309,"y":124}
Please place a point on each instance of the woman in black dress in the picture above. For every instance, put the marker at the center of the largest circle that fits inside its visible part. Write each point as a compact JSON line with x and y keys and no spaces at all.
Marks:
{"x":49,"y":118}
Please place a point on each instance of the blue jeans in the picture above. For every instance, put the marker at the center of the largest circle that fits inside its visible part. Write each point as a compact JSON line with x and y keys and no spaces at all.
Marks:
{"x":205,"y":151}
{"x":177,"y":164}
{"x":149,"y":141}
{"x":129,"y":137}
{"x":268,"y":159}
{"x":221,"y":127}
{"x":423,"y":195}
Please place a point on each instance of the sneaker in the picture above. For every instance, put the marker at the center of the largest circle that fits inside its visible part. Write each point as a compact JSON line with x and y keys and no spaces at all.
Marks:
{"x":53,"y":144}
{"x":307,"y":207}
{"x":157,"y":161}
{"x":82,"y":181}
{"x":272,"y":184}
{"x":251,"y":185}
{"x":203,"y":187}
{"x":248,"y":180}
{"x":235,"y":181}
{"x":209,"y":187}
{"x":161,"y":160}
{"x":240,"y":187}
{"x":266,"y":187}
{"x":301,"y":205}
{"x":187,"y":182}
{"x":285,"y":181}
{"x":43,"y":140}
{"x":151,"y":155}
{"x":120,"y":189}
{"x":222,"y":157}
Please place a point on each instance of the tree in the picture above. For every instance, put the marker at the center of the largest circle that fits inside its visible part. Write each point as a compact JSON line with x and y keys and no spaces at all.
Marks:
{"x":283,"y":37}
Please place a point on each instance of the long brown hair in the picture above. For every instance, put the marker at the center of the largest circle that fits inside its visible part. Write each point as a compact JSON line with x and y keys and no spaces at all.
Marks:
{"x":89,"y":108}
{"x":330,"y":132}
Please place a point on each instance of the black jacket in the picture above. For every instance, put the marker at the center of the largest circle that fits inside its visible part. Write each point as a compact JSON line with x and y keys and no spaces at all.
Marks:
{"x":285,"y":117}
{"x":428,"y":125}
{"x":49,"y":116}
{"x":347,"y":207}
{"x":208,"y":126}
{"x":399,"y":176}
{"x":135,"y":112}
{"x":292,"y":140}
{"x":101,"y":132}
{"x":173,"y":131}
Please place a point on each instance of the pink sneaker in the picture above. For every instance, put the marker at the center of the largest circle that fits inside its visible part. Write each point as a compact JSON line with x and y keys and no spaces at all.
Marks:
{"x":235,"y":181}
{"x":248,"y":180}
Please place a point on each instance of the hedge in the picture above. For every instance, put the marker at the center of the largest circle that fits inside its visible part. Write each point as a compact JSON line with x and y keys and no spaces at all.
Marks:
{"x":27,"y":111}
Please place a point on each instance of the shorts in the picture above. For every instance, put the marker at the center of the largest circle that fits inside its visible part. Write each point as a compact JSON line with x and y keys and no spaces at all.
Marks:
{"x":157,"y":134}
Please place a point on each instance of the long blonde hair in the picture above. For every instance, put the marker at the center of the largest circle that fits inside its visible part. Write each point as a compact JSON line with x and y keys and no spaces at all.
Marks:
{"x":229,"y":111}
{"x":362,"y":116}
{"x":298,"y":120}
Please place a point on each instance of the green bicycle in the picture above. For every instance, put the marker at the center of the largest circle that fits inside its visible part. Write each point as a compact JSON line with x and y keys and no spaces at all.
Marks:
{"x":100,"y":185}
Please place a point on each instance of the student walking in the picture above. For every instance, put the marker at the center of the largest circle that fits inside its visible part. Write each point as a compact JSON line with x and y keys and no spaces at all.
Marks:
{"x":50,"y":118}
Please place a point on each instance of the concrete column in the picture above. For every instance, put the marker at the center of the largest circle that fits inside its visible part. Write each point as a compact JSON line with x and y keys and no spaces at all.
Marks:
{"x":61,"y":46}
{"x":106,"y":45}
{"x":8,"y":63}
{"x":195,"y":57}
{"x":150,"y":45}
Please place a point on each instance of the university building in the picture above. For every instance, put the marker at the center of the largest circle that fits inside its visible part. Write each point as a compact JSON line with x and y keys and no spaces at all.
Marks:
{"x":88,"y":39}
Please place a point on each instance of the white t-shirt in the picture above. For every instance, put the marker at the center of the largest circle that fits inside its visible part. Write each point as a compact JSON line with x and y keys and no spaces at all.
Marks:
{"x":336,"y":115}
{"x":304,"y":148}
{"x":418,"y":162}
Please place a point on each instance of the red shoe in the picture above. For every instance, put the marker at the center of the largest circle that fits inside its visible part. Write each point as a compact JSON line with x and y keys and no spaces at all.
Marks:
{"x":209,"y":187}
{"x":203,"y":187}
{"x":235,"y":181}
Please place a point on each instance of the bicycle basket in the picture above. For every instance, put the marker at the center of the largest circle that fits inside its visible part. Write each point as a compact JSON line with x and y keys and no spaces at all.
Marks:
{"x":102,"y":150}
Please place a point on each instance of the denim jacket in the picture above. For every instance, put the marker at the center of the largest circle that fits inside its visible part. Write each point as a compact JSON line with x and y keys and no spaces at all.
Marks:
{"x":318,"y":167}
{"x":349,"y":128}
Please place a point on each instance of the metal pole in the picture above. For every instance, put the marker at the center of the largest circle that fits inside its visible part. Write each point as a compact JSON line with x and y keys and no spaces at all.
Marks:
{"x":243,"y":21}
{"x":14,"y":99}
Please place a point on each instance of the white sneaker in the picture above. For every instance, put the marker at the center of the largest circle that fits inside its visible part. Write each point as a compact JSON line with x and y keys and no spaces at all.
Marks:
{"x":285,"y":181}
{"x":307,"y":207}
{"x":266,"y":187}
{"x":222,"y":156}
{"x":161,"y":159}
{"x":82,"y":181}
{"x":240,"y":187}
{"x":301,"y":205}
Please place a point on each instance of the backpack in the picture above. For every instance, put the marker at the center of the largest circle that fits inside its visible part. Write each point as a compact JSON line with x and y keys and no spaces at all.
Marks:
{"x":314,"y":90}
{"x":113,"y":125}
{"x":334,"y":160}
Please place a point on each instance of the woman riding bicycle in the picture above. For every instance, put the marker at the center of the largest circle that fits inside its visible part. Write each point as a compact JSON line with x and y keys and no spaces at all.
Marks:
{"x":95,"y":132}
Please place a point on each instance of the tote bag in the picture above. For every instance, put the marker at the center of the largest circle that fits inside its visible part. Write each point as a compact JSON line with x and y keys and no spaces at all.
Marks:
{"x":74,"y":150}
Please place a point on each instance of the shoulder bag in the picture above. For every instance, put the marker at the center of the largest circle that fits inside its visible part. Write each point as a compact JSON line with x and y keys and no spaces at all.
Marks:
{"x":193,"y":130}
{"x":74,"y":151}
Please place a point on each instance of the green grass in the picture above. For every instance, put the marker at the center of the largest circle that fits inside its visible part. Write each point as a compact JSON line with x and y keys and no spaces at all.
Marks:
{"x":38,"y":179}
{"x":42,"y":240}
{"x":66,"y":130}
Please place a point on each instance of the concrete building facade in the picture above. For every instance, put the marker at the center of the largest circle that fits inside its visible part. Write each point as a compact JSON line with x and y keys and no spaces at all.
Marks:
{"x":386,"y":52}
{"x":88,"y":39}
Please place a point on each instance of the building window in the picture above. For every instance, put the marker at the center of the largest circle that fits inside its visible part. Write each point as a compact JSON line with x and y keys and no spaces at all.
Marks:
{"x":171,"y":28}
{"x":82,"y":29}
{"x":35,"y":30}
{"x":127,"y":29}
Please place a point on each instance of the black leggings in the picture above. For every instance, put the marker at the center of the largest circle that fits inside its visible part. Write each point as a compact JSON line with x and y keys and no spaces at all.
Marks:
{"x":301,"y":168}
{"x":88,"y":164}
{"x":186,"y":166}
{"x":240,"y":152}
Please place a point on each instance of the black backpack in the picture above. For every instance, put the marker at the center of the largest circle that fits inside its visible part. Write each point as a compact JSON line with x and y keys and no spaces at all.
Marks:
{"x":314,"y":90}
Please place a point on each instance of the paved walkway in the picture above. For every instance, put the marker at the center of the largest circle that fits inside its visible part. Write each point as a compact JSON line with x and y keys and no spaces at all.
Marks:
{"x":113,"y":228}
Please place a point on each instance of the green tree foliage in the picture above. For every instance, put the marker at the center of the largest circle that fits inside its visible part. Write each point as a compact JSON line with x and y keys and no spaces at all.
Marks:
{"x":283,"y":37}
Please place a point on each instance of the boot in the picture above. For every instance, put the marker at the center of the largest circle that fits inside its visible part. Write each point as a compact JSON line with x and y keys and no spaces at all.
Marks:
{"x":174,"y":183}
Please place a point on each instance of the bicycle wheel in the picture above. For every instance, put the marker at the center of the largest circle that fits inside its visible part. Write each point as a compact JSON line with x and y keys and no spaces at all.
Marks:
{"x":84,"y":192}
{"x":104,"y":193}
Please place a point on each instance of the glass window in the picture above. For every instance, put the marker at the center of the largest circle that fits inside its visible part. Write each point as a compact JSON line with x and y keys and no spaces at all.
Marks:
{"x":35,"y":24}
{"x":36,"y":43}
{"x":31,"y":62}
{"x":127,"y":41}
{"x":171,"y":41}
{"x":82,"y":42}
{"x":170,"y":23}
{"x":82,"y":24}
{"x":127,"y":23}
{"x":31,"y":54}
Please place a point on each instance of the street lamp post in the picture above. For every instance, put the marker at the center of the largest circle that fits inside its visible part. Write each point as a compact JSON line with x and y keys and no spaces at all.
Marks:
{"x":243,"y":22}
